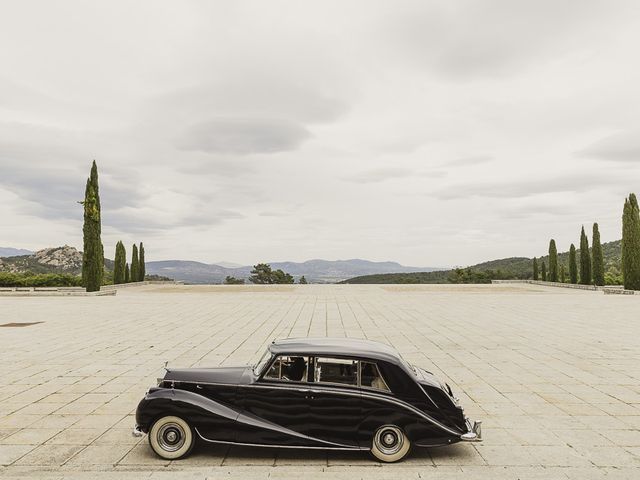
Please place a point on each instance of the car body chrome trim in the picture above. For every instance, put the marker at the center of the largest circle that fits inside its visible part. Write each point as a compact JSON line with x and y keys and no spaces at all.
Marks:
{"x":354,"y":393}
{"x":227,"y":442}
{"x":429,"y":397}
{"x":475,"y":432}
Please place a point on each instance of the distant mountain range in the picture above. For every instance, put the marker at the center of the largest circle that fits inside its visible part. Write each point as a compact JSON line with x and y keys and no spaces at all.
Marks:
{"x":315,"y":271}
{"x":13,"y":252}
{"x":68,"y":259}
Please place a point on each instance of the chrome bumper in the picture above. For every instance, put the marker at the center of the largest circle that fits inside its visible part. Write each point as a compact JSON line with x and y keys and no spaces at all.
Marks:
{"x":474,"y":434}
{"x":137,"y":432}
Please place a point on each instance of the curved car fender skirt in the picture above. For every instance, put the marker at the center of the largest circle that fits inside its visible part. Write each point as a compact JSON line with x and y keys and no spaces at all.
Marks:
{"x":198,"y":411}
{"x":253,"y":430}
{"x":418,"y":429}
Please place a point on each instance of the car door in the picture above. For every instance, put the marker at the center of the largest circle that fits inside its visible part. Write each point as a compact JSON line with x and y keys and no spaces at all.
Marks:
{"x":336,"y":410}
{"x":276,"y":408}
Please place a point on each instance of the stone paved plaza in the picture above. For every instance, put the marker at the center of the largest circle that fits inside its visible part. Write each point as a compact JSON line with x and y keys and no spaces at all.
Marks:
{"x":553,"y":373}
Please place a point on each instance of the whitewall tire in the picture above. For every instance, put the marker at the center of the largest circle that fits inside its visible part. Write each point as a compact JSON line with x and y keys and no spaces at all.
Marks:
{"x":390,"y":444}
{"x":171,"y":438}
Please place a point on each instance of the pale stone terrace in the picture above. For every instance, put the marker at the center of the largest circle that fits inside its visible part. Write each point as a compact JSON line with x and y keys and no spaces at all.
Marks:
{"x":554,"y":374}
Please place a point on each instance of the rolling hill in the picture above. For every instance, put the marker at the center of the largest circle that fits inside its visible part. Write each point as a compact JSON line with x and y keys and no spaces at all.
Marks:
{"x":504,"y":269}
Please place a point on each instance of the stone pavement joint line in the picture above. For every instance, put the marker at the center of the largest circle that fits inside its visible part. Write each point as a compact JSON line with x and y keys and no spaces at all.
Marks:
{"x":554,"y":374}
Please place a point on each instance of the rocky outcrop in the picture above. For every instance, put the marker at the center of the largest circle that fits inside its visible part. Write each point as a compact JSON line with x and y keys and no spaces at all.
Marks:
{"x":60,"y":258}
{"x":64,"y":259}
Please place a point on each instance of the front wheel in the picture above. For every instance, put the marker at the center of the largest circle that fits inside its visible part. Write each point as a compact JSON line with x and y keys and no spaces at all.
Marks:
{"x":390,"y":444}
{"x":171,"y":438}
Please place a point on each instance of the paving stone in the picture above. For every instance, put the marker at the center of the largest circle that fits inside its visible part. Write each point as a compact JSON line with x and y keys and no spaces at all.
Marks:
{"x":76,"y":436}
{"x":30,"y":436}
{"x":50,"y":455}
{"x":559,"y":396}
{"x":11,"y":453}
{"x":96,"y":455}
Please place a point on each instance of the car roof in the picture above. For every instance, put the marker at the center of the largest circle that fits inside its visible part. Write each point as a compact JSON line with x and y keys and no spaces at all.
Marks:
{"x":350,"y":347}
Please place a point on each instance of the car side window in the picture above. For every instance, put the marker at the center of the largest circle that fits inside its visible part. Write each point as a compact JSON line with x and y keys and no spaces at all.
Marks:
{"x":336,"y":370}
{"x":371,"y":377}
{"x":289,"y":368}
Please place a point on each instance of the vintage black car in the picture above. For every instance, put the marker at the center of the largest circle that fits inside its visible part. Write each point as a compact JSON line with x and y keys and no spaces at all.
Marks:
{"x":323,"y":393}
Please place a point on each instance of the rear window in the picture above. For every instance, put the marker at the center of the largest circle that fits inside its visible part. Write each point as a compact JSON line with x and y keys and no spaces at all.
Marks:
{"x":371,"y":377}
{"x":336,"y":370}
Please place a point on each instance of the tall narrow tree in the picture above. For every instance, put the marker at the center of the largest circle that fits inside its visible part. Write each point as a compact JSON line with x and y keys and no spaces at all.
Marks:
{"x":585,"y":259}
{"x":135,"y":265}
{"x":553,"y":261}
{"x":127,"y":275}
{"x":119,"y":263}
{"x":543,"y":271}
{"x":573,"y":265}
{"x":597,"y":259}
{"x":535,"y":268}
{"x":631,"y":243}
{"x":141,"y":269}
{"x":93,"y":252}
{"x":563,"y":275}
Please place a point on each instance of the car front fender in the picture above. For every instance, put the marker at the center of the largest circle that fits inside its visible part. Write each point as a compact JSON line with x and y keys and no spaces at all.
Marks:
{"x":197,"y":410}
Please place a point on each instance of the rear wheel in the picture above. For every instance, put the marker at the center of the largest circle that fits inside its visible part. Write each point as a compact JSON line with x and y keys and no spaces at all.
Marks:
{"x":390,"y":444}
{"x":171,"y":438}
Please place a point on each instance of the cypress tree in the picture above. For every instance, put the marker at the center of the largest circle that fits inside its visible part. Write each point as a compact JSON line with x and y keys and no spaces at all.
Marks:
{"x":631,"y":243}
{"x":141,"y":268}
{"x":573,"y":265}
{"x":119,"y":262}
{"x":585,"y":259}
{"x":127,"y":276}
{"x":535,"y":268}
{"x":553,"y":261}
{"x":543,"y":271}
{"x":93,"y":252}
{"x":597,"y":263}
{"x":135,"y":265}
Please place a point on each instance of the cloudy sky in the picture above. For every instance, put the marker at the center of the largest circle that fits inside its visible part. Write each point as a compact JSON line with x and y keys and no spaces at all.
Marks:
{"x":430,"y":133}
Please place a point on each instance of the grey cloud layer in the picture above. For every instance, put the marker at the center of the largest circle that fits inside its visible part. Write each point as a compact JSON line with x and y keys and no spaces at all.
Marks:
{"x":559,"y":183}
{"x":244,"y":136}
{"x":622,"y":147}
{"x":313,"y":125}
{"x":495,"y":37}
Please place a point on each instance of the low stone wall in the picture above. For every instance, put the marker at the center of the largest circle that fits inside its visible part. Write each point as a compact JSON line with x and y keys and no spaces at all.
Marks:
{"x":141,"y":284}
{"x":619,"y":291}
{"x":74,"y":291}
{"x":52,"y":292}
{"x":609,"y":289}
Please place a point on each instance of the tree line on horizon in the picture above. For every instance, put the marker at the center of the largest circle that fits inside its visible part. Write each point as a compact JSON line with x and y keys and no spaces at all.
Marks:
{"x":263,"y":274}
{"x":591,"y":269}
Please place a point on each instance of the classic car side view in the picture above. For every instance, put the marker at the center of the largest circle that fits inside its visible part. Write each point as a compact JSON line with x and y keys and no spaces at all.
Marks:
{"x":315,"y":393}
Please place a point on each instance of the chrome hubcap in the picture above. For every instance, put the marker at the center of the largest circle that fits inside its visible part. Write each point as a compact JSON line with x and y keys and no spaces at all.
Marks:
{"x":171,"y":437}
{"x":389,"y":440}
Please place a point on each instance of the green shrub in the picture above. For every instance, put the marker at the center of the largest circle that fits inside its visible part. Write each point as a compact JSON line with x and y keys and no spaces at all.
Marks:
{"x":29,"y":279}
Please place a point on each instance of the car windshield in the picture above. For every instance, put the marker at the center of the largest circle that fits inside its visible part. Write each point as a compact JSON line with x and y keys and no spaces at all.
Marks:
{"x":262,"y":363}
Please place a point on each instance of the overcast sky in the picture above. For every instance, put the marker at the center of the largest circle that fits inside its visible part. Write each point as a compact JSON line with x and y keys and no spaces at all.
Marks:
{"x":429,"y":133}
